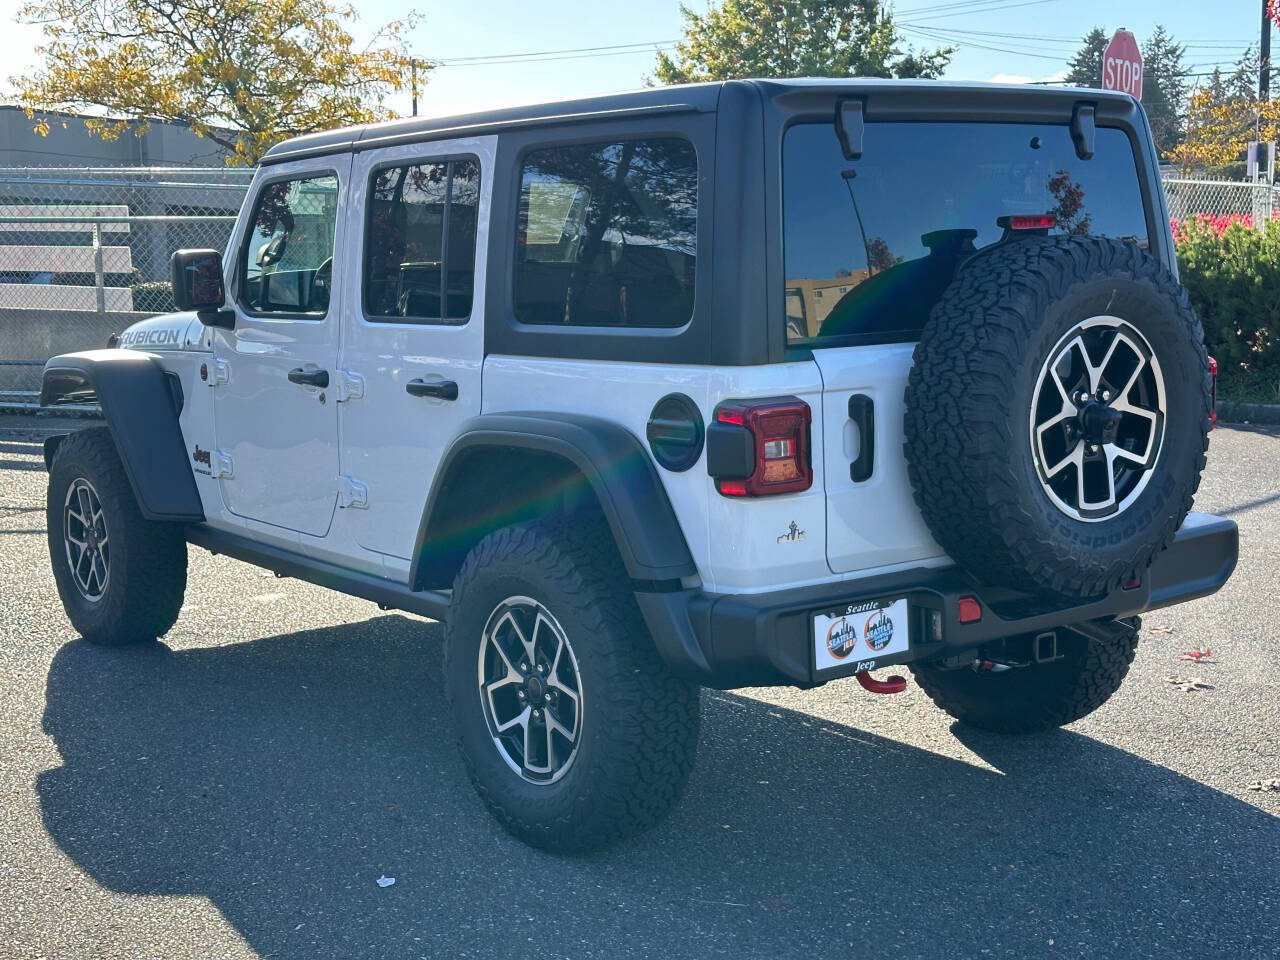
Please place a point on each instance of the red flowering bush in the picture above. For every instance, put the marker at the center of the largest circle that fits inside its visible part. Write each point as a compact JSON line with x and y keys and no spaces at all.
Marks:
{"x":1231,"y":272}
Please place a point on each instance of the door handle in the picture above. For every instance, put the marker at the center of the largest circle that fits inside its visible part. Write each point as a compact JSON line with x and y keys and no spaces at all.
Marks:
{"x":437,"y":389}
{"x":862,"y":411}
{"x":310,"y":376}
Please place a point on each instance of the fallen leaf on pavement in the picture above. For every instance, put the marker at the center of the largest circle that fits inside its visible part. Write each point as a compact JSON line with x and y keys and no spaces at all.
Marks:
{"x":1188,"y":684}
{"x":1198,"y":655}
{"x":1160,"y":630}
{"x":1270,"y":785}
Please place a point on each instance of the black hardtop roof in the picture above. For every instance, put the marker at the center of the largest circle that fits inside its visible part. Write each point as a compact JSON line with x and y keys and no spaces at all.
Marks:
{"x":698,"y":97}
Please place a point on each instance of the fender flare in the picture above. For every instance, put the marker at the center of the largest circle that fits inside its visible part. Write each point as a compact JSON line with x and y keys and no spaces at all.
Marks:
{"x":140,"y":402}
{"x":615,"y":465}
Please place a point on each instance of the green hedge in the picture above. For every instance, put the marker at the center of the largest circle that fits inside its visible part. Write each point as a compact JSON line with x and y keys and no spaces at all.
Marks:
{"x":1232,"y":274}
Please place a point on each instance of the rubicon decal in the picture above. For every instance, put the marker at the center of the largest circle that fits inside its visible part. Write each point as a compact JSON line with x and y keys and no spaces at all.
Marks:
{"x":163,"y":336}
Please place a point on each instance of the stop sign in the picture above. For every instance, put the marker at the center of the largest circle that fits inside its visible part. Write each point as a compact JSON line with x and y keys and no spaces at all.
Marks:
{"x":1122,"y":65}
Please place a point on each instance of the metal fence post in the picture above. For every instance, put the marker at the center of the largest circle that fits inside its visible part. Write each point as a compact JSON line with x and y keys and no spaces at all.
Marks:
{"x":99,"y":275}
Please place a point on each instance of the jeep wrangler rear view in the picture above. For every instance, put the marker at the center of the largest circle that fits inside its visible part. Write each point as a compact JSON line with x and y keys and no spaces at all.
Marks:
{"x":761,"y":382}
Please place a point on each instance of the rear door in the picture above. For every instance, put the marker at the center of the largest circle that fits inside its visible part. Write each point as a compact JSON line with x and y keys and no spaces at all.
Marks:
{"x":415,"y":345}
{"x":870,"y":245}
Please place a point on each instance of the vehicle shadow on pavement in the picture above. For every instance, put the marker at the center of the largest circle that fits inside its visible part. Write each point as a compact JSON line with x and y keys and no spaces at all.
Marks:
{"x":280,"y":778}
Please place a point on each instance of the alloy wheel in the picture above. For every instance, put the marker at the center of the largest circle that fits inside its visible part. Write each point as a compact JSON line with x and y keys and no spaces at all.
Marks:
{"x":84,"y":535}
{"x":530,"y":690}
{"x":1097,"y":419}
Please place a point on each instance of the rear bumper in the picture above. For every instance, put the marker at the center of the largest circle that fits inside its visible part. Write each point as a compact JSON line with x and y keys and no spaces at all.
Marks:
{"x":726,"y":641}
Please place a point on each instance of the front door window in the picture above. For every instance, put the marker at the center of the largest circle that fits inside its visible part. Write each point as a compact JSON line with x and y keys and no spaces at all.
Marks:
{"x":288,"y":253}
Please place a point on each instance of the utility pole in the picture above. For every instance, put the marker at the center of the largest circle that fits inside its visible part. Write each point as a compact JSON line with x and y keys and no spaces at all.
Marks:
{"x":413,"y":68}
{"x":1264,"y":57}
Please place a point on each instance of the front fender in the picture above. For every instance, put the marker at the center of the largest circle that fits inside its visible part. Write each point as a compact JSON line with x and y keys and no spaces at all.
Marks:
{"x":140,"y":403}
{"x":614,"y":464}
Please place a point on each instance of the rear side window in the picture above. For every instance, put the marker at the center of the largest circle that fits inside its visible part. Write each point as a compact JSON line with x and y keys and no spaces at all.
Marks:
{"x":420,"y":242}
{"x":607,"y":234}
{"x":288,"y":253}
{"x":871,"y":244}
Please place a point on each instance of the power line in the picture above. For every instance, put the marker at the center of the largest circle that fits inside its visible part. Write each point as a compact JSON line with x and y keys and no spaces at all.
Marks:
{"x":939,"y":37}
{"x":619,"y":47}
{"x":575,"y":56}
{"x":993,"y":6}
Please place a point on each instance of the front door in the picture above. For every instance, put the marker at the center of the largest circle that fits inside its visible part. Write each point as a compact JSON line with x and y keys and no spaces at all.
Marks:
{"x":413,"y":350}
{"x":275,"y":418}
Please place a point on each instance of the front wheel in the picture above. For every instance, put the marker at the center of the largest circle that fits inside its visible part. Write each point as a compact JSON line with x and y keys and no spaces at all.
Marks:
{"x":572,"y":729}
{"x":1036,"y":696}
{"x":121,"y":577}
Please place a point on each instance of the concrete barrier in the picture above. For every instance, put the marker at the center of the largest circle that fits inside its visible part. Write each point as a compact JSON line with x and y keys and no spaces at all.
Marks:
{"x":40,"y":334}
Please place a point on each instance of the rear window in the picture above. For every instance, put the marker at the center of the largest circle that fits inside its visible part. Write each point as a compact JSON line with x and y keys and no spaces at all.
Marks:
{"x":607,"y":234}
{"x":870,"y":244}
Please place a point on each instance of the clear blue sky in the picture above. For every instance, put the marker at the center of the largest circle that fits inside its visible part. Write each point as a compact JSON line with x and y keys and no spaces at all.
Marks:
{"x":1037,"y":38}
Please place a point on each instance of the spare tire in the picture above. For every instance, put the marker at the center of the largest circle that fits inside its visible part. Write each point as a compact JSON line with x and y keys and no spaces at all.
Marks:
{"x":1057,"y":414}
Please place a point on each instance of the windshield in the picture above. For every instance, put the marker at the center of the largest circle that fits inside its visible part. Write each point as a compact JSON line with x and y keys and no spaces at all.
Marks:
{"x":870,"y":244}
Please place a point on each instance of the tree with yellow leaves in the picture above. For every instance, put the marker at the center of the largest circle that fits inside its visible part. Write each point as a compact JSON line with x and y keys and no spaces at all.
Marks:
{"x":243,"y":73}
{"x":1219,"y":130}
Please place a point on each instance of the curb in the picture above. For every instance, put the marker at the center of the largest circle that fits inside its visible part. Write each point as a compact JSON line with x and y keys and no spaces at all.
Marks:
{"x":1250,"y":413}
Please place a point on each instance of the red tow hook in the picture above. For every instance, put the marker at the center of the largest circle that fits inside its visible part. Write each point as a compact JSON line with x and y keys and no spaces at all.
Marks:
{"x":869,"y":683}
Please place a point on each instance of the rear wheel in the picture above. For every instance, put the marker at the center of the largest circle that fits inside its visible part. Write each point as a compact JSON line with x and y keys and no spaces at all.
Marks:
{"x":1033,"y":696}
{"x":121,"y":577}
{"x":573,"y":731}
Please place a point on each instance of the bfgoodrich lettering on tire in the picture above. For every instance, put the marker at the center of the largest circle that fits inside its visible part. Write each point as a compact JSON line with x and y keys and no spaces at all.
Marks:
{"x":121,"y":577}
{"x":572,"y":729}
{"x":1058,"y":414}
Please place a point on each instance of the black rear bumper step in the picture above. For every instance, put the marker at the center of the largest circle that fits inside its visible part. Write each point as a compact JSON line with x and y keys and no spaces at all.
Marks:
{"x":727,"y":641}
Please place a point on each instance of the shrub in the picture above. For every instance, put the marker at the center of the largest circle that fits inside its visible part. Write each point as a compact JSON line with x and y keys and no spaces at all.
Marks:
{"x":153,"y":296}
{"x":1232,"y":274}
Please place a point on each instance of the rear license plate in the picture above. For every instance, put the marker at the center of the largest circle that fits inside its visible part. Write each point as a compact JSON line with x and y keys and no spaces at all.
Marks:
{"x":860,"y":634}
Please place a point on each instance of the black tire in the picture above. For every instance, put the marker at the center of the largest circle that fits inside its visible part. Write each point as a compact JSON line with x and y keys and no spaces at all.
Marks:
{"x":140,"y":594}
{"x":970,"y":395}
{"x":1038,"y":696}
{"x":639,"y":723}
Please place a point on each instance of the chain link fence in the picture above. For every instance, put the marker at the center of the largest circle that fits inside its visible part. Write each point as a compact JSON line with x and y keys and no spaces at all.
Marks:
{"x":1253,"y":203}
{"x":84,"y":252}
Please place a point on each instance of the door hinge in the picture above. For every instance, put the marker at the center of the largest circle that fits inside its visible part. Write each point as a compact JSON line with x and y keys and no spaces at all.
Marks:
{"x":352,"y":493}
{"x":215,"y":372}
{"x":350,"y":386}
{"x":222,"y":466}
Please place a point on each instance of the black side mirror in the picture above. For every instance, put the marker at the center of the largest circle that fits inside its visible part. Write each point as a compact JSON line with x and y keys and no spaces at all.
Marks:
{"x":198,"y":286}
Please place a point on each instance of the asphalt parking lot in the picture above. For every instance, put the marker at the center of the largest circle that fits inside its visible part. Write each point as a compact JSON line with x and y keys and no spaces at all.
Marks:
{"x":238,"y":790}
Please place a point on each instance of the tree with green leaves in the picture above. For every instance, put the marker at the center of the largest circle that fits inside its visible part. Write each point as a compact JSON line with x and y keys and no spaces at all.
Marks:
{"x":244,"y":73}
{"x":1085,"y":68}
{"x":1164,"y":88}
{"x":794,"y":38}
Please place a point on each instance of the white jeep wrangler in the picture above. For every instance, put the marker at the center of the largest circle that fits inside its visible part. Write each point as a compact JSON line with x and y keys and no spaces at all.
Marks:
{"x":733,"y":384}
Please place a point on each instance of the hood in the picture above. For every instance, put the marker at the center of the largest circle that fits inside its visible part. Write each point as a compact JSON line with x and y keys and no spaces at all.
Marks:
{"x":170,"y":331}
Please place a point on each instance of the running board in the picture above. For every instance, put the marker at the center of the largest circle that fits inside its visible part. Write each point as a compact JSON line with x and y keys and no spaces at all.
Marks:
{"x":387,"y":594}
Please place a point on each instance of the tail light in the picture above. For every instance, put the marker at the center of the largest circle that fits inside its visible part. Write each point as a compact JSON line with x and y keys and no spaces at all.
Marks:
{"x":1213,"y":393}
{"x":757,"y":448}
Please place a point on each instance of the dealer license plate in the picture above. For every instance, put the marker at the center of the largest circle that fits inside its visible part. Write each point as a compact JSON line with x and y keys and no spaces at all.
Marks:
{"x":860,"y":634}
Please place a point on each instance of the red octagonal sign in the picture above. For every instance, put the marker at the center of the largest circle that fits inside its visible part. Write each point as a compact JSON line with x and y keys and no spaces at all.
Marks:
{"x":1122,"y":65}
